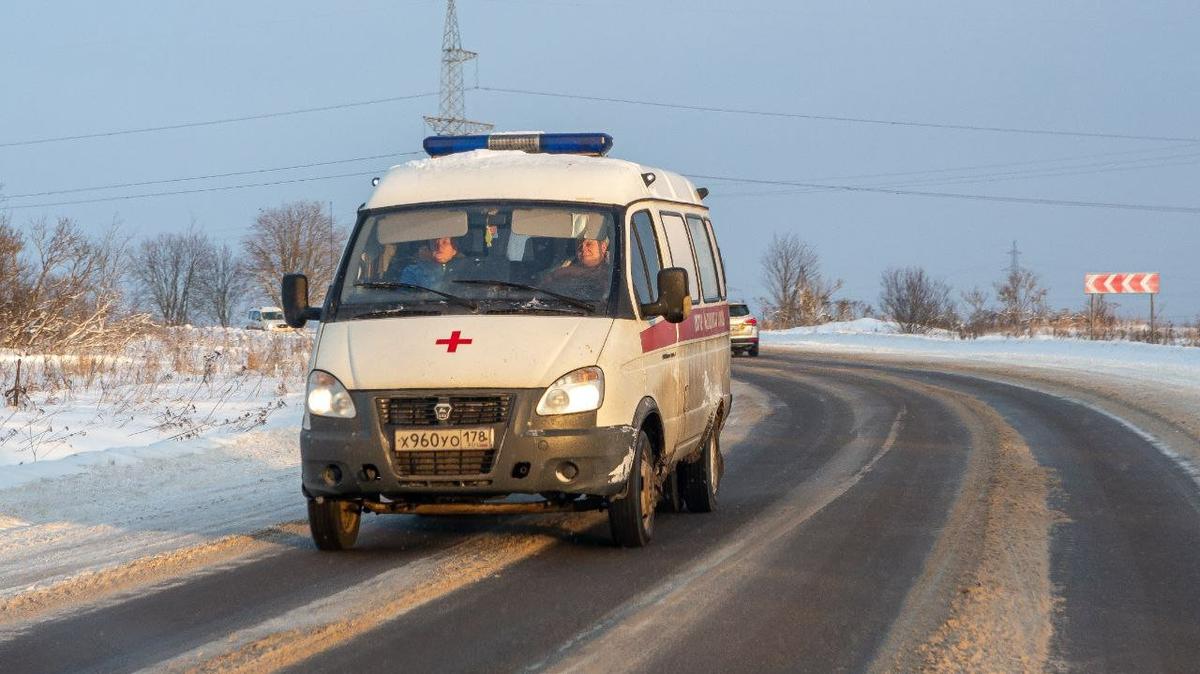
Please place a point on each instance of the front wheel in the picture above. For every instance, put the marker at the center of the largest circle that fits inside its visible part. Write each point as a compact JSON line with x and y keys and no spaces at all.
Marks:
{"x":333,"y":523}
{"x":631,"y":518}
{"x":702,"y":478}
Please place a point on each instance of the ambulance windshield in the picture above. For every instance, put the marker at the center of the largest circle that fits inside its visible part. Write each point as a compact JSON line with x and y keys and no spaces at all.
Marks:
{"x":486,"y":258}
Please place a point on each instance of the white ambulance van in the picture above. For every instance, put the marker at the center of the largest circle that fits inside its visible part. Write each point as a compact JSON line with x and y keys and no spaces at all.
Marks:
{"x":518,"y":316}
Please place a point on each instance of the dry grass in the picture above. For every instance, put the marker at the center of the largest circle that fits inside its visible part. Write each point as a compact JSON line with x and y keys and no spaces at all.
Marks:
{"x":175,"y":383}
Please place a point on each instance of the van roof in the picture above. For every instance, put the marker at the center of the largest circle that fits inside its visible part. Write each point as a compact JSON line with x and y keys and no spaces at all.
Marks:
{"x":492,"y":174}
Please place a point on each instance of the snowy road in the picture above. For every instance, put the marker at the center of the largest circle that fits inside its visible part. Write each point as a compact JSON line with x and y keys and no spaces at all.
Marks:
{"x":876,"y":515}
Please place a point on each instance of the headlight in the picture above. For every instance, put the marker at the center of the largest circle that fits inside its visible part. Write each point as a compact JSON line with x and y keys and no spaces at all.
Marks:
{"x":326,"y":397}
{"x":578,"y":391}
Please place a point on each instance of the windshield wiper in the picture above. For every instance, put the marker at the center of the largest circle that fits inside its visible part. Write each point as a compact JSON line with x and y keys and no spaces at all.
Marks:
{"x":396,"y":285}
{"x":399,"y":311}
{"x":574,"y":301}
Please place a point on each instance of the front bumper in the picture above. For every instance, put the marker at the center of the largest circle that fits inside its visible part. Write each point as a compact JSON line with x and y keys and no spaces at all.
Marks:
{"x":529,"y":456}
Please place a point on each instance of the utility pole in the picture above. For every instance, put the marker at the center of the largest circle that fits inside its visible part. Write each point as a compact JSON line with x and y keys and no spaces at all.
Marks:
{"x":1014,"y":267}
{"x":451,"y":118}
{"x":1014,"y":284}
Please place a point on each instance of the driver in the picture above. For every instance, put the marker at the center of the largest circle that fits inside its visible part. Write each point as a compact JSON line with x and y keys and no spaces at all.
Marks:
{"x":438,"y":261}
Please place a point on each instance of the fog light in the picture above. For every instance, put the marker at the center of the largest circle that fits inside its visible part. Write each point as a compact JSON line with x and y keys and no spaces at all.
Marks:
{"x":331,"y":475}
{"x":566,"y":471}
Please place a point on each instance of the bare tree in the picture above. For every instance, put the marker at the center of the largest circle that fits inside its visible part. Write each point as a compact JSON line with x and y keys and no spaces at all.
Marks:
{"x":797,"y":293}
{"x":168,"y":269}
{"x":851,"y":310}
{"x":62,"y":290}
{"x":222,"y":284}
{"x":1022,"y":300}
{"x":981,"y":317}
{"x":296,"y":237}
{"x":12,"y":268}
{"x":916,"y":302}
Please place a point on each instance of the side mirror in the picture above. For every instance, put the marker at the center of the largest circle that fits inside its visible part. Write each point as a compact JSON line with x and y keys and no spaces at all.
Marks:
{"x":295,"y":301}
{"x":674,"y":303}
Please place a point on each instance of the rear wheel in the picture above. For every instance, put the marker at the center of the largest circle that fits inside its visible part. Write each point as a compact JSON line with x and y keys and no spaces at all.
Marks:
{"x":753,"y":351}
{"x":671,"y":500}
{"x":631,"y":519}
{"x":333,"y":523}
{"x":702,"y":478}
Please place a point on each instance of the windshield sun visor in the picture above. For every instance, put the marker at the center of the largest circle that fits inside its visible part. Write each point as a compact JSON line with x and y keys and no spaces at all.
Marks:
{"x":421,"y":225}
{"x":559,"y":223}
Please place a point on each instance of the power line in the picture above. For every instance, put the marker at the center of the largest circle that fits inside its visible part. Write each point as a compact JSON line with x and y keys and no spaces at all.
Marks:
{"x":809,"y":186}
{"x":840,"y":118}
{"x":199,"y":190}
{"x":144,"y":183}
{"x":1187,"y":159}
{"x":1029,"y":162}
{"x":212,"y":122}
{"x":955,"y":195}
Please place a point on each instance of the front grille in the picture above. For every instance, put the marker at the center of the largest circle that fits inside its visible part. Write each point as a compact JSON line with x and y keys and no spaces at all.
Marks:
{"x":465,"y":410}
{"x":445,"y":462}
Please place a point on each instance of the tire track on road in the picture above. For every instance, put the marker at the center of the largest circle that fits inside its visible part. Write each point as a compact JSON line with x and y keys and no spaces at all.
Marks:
{"x":660,"y":613}
{"x":988,"y":576}
{"x":95,"y":589}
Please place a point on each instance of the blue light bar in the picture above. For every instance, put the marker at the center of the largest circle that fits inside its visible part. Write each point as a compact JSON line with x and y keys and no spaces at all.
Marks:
{"x":594,"y":144}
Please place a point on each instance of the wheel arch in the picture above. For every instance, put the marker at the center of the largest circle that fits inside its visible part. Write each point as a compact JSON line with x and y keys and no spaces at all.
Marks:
{"x":648,"y":417}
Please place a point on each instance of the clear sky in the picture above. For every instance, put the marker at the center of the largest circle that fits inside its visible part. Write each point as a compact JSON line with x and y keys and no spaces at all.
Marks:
{"x":1126,"y":68}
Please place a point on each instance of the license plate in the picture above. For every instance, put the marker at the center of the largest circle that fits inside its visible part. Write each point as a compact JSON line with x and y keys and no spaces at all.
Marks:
{"x":459,"y":438}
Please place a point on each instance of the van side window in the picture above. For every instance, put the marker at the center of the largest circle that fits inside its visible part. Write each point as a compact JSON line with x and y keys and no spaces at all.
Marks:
{"x":712,"y":237}
{"x":705,"y":258}
{"x":644,"y":262}
{"x":681,"y":250}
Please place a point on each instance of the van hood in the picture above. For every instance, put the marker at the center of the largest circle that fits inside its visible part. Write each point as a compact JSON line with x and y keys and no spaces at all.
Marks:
{"x":459,"y":351}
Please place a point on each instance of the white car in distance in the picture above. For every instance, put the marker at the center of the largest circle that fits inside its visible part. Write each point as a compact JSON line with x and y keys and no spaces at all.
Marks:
{"x":267,"y":318}
{"x":743,"y":329}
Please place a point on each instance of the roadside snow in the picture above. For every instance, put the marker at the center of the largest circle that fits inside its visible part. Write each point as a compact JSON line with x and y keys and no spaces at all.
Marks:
{"x":1175,"y":365}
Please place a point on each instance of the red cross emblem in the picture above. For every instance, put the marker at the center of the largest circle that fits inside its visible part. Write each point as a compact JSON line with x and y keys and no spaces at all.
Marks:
{"x":453,"y":341}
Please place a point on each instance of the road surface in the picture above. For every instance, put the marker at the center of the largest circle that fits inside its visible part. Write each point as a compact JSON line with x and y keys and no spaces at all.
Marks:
{"x":873,"y":517}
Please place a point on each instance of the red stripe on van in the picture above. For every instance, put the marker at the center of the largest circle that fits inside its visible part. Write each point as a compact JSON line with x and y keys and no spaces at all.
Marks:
{"x":705,"y":322}
{"x":657,"y":336}
{"x":702,"y":322}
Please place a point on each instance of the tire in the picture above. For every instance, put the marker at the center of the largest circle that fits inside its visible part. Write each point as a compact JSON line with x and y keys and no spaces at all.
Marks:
{"x":702,"y":478}
{"x":631,"y":519}
{"x":333,"y":523}
{"x":672,"y":495}
{"x":753,"y":351}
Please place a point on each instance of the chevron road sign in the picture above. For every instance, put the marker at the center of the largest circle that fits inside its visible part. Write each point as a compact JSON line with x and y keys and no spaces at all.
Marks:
{"x":1101,"y":284}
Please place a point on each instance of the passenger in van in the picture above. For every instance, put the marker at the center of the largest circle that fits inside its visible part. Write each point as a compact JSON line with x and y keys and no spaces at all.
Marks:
{"x":588,"y":273}
{"x":439,"y":260}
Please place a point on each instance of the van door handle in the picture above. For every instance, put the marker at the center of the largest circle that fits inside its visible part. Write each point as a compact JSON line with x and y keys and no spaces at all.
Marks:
{"x":669,"y":354}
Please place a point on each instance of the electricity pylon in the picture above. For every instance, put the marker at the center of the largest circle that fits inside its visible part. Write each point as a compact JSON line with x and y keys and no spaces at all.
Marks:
{"x":451,"y":118}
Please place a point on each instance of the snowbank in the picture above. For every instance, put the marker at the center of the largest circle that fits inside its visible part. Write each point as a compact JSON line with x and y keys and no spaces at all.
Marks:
{"x":1179,"y":365}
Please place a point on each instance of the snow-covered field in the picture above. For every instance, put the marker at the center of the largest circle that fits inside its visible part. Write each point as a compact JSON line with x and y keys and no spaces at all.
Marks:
{"x":157,"y":398}
{"x":1179,"y":365}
